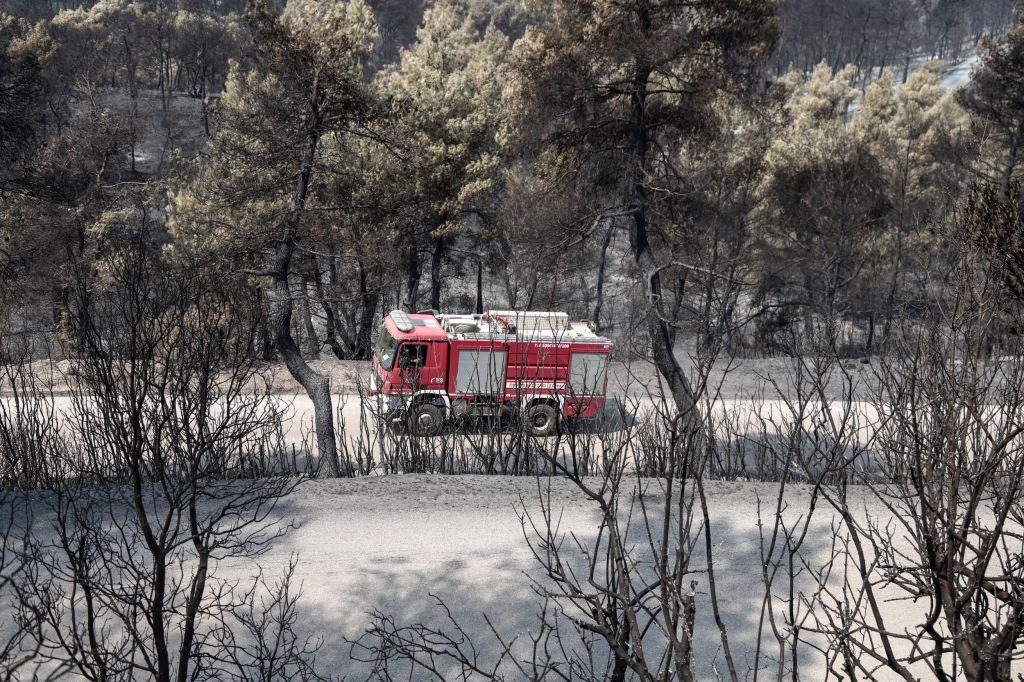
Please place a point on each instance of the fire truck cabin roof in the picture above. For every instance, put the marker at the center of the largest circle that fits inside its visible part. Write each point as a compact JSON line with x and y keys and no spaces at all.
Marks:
{"x":493,"y":325}
{"x":409,"y":327}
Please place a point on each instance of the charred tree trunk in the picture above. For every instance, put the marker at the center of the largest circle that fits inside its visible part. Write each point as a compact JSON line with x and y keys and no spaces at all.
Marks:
{"x":367,"y":316}
{"x":619,"y":670}
{"x":659,"y":328}
{"x":553,"y":294}
{"x":330,"y":317}
{"x":479,"y":307}
{"x":133,"y":94}
{"x":436,"y":263}
{"x":534,"y":285}
{"x":412,"y":274}
{"x":601,"y":268}
{"x":204,"y":111}
{"x":279,"y":305}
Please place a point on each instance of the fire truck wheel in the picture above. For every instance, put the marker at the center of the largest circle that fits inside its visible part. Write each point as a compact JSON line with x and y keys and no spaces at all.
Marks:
{"x":541,"y":419}
{"x":425,"y":420}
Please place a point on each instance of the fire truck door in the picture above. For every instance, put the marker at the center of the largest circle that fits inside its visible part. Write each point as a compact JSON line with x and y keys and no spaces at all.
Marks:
{"x":412,"y":360}
{"x":422,"y":366}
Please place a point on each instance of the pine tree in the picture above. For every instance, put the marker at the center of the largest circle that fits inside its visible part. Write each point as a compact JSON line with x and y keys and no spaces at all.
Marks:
{"x":448,"y":89}
{"x":995,"y":100}
{"x":824,"y":199}
{"x":914,"y":132}
{"x":248,"y":207}
{"x":24,"y":51}
{"x":994,"y":210}
{"x":616,"y":86}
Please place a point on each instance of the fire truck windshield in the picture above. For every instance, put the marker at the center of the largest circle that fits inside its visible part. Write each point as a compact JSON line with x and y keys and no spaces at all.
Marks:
{"x":385,"y":348}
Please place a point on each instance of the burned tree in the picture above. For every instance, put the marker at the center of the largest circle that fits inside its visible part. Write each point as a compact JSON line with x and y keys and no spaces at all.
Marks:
{"x":152,"y":483}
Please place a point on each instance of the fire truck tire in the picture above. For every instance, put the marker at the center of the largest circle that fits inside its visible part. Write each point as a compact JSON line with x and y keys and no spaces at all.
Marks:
{"x":541,"y":419}
{"x":425,"y":419}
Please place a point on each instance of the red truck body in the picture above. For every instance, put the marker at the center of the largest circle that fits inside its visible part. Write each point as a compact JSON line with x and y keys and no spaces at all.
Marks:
{"x":500,"y":362}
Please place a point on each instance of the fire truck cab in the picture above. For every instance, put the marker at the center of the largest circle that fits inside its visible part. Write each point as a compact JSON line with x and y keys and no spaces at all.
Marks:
{"x":430,"y":368}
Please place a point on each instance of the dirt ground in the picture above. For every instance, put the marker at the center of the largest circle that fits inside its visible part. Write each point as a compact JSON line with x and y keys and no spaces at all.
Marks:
{"x":391,"y":542}
{"x":397,"y":543}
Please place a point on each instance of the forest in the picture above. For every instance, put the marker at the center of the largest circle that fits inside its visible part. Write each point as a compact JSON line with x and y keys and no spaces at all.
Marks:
{"x":815,"y":167}
{"x":799,"y":223}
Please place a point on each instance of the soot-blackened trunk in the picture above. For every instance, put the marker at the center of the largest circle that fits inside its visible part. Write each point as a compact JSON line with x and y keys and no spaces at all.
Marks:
{"x":659,"y":328}
{"x":436,"y":263}
{"x":601,"y":269}
{"x":479,"y":307}
{"x":279,"y":303}
{"x":367,"y":316}
{"x":412,"y":274}
{"x":329,"y":268}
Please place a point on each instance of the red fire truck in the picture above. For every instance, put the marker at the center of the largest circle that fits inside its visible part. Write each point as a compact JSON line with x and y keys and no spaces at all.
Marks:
{"x":429,"y":368}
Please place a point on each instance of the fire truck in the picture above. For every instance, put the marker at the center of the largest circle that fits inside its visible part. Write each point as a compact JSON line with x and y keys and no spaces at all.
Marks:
{"x":429,"y":369}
